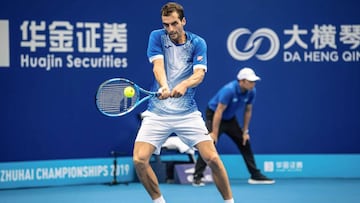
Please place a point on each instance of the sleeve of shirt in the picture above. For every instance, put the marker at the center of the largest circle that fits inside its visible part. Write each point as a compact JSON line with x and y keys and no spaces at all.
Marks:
{"x":200,"y":54}
{"x":154,"y":49}
{"x":225,"y":96}
{"x":252,"y":97}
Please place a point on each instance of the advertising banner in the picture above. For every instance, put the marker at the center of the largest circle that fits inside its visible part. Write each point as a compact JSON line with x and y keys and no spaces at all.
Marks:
{"x":54,"y":55}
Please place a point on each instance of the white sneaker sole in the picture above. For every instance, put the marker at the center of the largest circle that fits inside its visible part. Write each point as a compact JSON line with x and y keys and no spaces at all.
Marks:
{"x":261,"y":182}
{"x":198,"y":185}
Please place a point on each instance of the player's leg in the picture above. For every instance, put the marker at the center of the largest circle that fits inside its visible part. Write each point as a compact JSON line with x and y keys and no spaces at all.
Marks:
{"x":200,"y":165}
{"x":141,"y":157}
{"x":192,"y":130}
{"x":152,"y":134}
{"x":211,"y":157}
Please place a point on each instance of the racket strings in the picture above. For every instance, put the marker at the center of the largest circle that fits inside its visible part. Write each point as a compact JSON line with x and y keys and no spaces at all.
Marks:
{"x":111,"y":98}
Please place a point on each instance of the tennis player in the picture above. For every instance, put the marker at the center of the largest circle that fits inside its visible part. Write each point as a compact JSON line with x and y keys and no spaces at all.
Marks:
{"x":179,"y":64}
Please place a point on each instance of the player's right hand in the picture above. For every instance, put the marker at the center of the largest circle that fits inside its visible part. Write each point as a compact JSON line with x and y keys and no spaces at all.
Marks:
{"x":164,"y":93}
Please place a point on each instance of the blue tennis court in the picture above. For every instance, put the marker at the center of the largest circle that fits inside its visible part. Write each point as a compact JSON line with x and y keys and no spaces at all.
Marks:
{"x":284,"y":191}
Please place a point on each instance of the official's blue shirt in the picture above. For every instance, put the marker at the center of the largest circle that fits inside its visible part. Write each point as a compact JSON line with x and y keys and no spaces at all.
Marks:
{"x":180,"y":60}
{"x":231,"y":96}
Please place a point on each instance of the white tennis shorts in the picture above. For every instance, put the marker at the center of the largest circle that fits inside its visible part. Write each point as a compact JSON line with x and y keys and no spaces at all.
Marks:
{"x":156,"y":129}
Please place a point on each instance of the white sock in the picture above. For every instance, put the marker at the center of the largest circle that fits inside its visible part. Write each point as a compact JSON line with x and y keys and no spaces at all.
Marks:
{"x":159,"y":200}
{"x":229,"y":200}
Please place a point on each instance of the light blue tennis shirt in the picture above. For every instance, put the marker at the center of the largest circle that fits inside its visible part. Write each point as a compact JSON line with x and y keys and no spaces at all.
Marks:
{"x":180,"y":61}
{"x":231,"y":96}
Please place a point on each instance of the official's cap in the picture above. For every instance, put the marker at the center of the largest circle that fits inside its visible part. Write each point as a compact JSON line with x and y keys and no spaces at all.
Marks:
{"x":247,"y":74}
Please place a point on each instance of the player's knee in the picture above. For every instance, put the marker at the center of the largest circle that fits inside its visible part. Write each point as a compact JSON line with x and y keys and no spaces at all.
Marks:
{"x":213,"y":161}
{"x":139,"y":162}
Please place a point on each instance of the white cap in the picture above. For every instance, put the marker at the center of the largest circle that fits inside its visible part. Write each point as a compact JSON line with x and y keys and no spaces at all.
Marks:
{"x":247,"y":74}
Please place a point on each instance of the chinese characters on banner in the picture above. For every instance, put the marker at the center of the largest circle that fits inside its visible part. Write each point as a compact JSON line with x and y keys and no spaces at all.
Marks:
{"x":87,"y":44}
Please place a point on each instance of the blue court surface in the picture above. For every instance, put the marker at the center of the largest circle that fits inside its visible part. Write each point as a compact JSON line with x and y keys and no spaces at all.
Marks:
{"x":284,"y":191}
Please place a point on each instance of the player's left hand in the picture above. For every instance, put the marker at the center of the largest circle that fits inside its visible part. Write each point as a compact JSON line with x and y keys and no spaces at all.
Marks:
{"x":178,"y":91}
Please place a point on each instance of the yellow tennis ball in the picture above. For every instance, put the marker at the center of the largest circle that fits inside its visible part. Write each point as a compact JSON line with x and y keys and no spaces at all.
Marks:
{"x":129,"y":92}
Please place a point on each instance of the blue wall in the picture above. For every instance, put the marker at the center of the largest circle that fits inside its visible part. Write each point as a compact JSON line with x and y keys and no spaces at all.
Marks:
{"x":306,"y":103}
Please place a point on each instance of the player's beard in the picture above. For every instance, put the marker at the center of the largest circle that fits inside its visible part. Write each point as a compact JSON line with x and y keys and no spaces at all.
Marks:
{"x":174,"y":36}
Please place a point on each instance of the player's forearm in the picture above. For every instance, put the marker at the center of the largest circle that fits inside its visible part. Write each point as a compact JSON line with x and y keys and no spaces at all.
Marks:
{"x":195,"y":79}
{"x":159,"y":73}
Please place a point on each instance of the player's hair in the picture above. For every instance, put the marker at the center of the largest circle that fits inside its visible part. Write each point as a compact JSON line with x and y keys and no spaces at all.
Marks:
{"x":171,"y":7}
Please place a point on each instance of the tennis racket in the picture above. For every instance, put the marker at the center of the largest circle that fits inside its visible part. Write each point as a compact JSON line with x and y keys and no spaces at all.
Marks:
{"x":112,"y":101}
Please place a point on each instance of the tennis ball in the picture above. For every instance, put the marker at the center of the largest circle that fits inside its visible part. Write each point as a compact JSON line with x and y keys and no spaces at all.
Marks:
{"x":129,"y":92}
